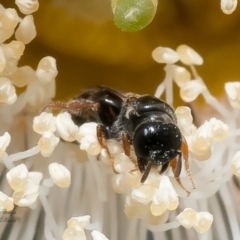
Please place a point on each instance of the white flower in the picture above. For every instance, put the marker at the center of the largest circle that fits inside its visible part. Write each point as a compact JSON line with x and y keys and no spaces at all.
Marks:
{"x":165,"y":55}
{"x":44,"y":122}
{"x":189,"y":56}
{"x":47,"y":70}
{"x":47,"y":143}
{"x":7,"y":91}
{"x":17,"y":177}
{"x":66,"y":127}
{"x":27,"y":6}
{"x":60,"y":175}
{"x":26,"y":30}
{"x":6,"y":203}
{"x":4,"y":142}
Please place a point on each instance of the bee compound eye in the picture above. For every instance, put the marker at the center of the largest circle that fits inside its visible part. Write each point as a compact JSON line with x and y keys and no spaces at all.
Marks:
{"x":157,"y":141}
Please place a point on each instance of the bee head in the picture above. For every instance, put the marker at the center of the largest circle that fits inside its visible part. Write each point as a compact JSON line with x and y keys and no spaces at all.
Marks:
{"x":159,"y":142}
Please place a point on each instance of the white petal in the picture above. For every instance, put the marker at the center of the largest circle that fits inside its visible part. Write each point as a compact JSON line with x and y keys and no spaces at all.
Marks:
{"x":17,"y":177}
{"x":189,"y":56}
{"x":60,"y":175}
{"x":44,"y":122}
{"x":165,"y":55}
{"x":47,"y":143}
{"x":47,"y":70}
{"x":26,"y":30}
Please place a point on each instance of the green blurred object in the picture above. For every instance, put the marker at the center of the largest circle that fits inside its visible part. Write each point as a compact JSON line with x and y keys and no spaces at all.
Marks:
{"x":133,"y":15}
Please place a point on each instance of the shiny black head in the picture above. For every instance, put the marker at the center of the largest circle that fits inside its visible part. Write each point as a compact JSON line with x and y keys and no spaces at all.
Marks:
{"x":157,"y":142}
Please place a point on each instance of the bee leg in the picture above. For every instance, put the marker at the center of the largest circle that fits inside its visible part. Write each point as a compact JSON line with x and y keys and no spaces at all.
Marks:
{"x":176,"y":165}
{"x":74,"y":107}
{"x":126,"y":147}
{"x":103,"y":143}
{"x":184,"y":150}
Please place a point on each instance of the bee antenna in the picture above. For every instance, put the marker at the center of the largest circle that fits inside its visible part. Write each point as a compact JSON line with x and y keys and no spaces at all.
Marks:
{"x":146,"y":172}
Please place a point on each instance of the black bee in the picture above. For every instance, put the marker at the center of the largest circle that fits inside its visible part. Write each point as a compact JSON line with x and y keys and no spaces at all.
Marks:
{"x":146,"y":123}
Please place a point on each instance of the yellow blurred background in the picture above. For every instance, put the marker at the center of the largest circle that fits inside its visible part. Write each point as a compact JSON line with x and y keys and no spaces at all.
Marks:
{"x":91,"y":50}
